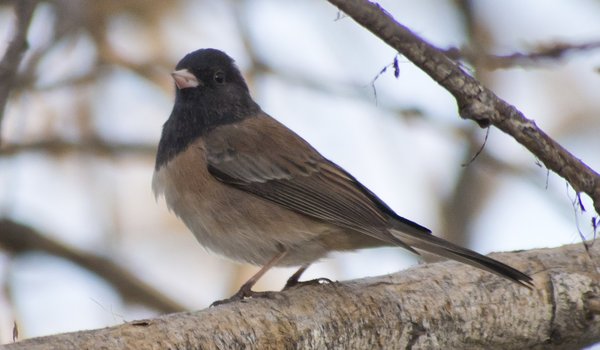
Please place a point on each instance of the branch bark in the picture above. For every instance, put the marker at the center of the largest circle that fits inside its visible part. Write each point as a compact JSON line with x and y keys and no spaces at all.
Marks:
{"x":474,"y":101}
{"x":442,"y":305}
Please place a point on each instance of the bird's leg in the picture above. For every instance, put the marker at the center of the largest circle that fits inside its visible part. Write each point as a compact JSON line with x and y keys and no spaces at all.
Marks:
{"x":293,"y":281}
{"x":246,"y":288}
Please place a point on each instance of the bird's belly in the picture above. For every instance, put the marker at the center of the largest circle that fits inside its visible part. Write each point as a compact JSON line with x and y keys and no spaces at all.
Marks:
{"x":236,"y":224}
{"x":255,"y":234}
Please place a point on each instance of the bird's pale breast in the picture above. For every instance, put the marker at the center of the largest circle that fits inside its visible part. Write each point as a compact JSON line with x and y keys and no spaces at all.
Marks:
{"x":237,"y":224}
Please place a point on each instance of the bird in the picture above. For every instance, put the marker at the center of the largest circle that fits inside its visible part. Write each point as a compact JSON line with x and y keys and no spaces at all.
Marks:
{"x":252,"y":190}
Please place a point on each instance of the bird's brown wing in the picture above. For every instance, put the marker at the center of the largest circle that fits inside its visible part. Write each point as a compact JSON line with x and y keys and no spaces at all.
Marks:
{"x":261,"y":156}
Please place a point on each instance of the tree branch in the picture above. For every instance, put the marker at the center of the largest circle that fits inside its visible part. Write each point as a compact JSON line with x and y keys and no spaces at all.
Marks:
{"x":474,"y":101}
{"x":18,"y":45}
{"x":442,"y":305}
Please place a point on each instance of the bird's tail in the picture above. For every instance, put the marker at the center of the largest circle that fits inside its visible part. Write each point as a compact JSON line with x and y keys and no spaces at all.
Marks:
{"x":441,"y":247}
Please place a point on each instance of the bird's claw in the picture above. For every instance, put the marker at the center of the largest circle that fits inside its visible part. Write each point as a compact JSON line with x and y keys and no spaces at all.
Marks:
{"x":243,"y":294}
{"x":291,"y":283}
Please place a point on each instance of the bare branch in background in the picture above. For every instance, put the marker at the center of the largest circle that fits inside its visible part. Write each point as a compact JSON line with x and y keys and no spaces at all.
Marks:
{"x":472,"y":190}
{"x":15,"y":50}
{"x":540,"y":53}
{"x":95,"y":146}
{"x":474,"y":101}
{"x":421,"y":308}
{"x":17,"y":238}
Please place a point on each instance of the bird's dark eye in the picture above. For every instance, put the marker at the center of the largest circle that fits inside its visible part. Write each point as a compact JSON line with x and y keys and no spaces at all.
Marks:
{"x":219,"y":77}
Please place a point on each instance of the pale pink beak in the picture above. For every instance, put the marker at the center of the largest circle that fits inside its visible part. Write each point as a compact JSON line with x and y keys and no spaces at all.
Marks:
{"x":185,"y":79}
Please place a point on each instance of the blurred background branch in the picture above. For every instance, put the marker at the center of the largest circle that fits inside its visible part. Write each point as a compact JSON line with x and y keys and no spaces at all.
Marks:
{"x":542,"y":53}
{"x":97,"y":147}
{"x":19,"y":239}
{"x":9,"y":65}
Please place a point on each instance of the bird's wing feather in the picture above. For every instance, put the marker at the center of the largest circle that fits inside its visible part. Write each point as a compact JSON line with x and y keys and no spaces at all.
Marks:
{"x":255,"y":156}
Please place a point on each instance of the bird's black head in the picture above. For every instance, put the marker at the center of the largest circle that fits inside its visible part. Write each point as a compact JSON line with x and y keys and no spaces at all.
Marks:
{"x":210,"y":92}
{"x":209,"y":81}
{"x":207,"y":72}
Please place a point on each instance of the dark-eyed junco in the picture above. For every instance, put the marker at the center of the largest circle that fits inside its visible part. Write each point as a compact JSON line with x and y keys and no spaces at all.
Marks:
{"x":251,"y":189}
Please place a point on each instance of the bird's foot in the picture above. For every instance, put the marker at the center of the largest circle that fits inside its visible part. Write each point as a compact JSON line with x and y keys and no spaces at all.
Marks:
{"x":242,"y":294}
{"x":291,"y":283}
